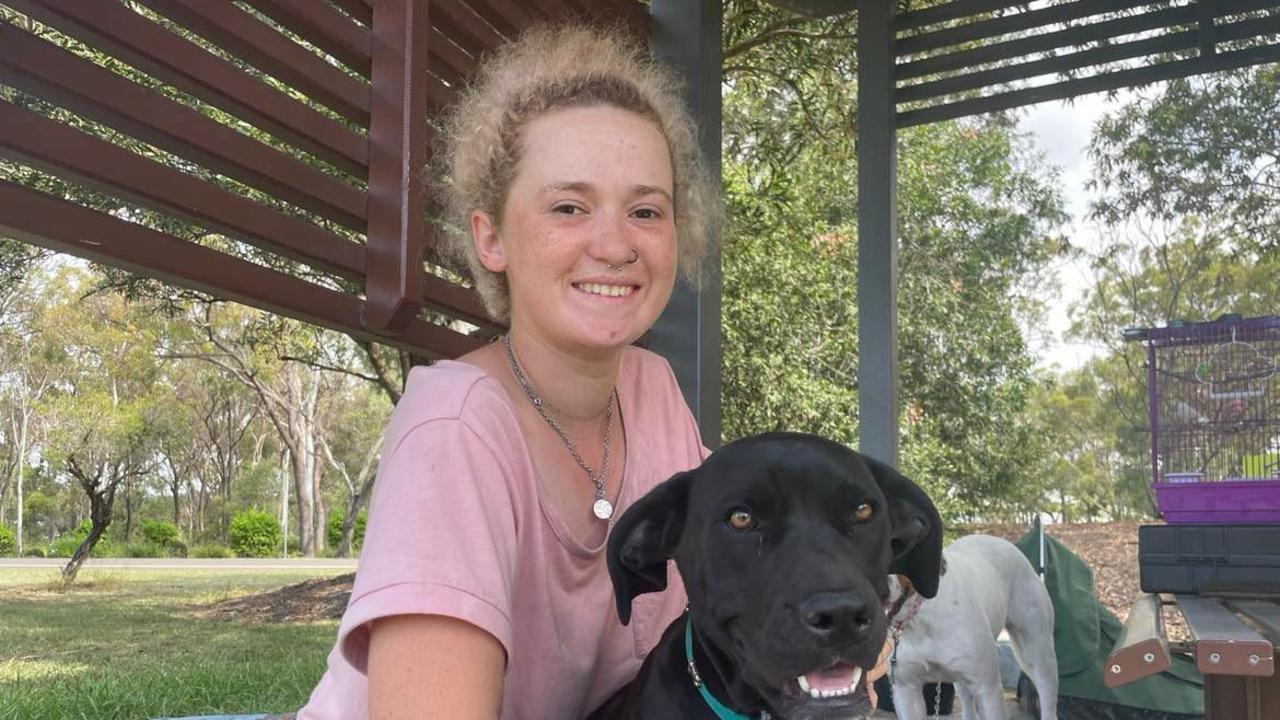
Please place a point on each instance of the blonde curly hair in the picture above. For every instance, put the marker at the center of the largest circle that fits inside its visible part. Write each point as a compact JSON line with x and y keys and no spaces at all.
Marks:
{"x":553,"y":68}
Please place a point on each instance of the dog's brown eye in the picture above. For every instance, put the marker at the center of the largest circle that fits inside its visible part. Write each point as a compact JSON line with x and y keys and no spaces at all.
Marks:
{"x":741,"y":519}
{"x":863,"y":512}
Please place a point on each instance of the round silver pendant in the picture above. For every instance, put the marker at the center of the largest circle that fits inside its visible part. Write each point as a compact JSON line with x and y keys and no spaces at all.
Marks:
{"x":603,"y":509}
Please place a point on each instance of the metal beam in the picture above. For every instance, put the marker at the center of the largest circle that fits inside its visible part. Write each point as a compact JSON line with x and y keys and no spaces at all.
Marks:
{"x":687,"y":35}
{"x":877,"y":235}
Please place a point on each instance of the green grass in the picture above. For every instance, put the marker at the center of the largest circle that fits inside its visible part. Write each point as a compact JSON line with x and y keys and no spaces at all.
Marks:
{"x":129,"y":644}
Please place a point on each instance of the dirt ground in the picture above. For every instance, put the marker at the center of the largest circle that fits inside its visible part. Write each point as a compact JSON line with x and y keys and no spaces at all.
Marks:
{"x":1110,"y":549}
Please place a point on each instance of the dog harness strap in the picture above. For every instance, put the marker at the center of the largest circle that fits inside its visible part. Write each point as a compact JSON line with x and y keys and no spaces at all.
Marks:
{"x":716,"y":706}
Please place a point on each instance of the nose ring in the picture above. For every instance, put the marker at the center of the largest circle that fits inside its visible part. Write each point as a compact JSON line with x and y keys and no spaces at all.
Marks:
{"x":635,"y":255}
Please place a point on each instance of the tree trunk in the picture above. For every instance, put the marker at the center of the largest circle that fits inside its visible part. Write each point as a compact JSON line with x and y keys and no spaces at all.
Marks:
{"x":128,"y":514}
{"x":22,"y":452}
{"x":101,"y":498}
{"x":353,"y":513}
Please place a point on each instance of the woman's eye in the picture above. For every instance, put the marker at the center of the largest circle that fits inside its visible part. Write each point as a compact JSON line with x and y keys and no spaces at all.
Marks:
{"x":864,"y":512}
{"x":565,"y":209}
{"x":646,"y":214}
{"x":741,"y":519}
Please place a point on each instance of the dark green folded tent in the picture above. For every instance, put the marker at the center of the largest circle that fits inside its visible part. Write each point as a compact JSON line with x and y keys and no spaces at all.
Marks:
{"x":1084,"y":633}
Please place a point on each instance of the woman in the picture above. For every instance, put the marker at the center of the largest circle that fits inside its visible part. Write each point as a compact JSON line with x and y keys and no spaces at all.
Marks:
{"x":482,"y":590}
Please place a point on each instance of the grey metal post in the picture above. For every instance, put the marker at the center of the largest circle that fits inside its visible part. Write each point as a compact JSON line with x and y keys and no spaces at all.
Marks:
{"x":877,"y":234}
{"x":687,"y":35}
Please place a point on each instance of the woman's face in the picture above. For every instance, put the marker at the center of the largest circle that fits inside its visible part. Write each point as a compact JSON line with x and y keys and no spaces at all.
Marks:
{"x":593,"y":189}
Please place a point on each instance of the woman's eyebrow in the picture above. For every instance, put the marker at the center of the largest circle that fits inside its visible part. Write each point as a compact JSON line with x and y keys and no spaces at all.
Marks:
{"x":641,"y":190}
{"x":586,"y":187}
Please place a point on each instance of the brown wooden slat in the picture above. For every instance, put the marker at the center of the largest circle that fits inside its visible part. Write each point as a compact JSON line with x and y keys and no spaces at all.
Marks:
{"x":112,"y":27}
{"x":43,"y":69}
{"x":359,"y":10}
{"x":1141,"y":650}
{"x":62,"y":150}
{"x":50,"y":222}
{"x":457,"y":301}
{"x":324,"y":27}
{"x":397,"y":153}
{"x":447,"y":59}
{"x":506,"y":17}
{"x":1223,"y":644}
{"x":464,"y":27}
{"x":263,"y":47}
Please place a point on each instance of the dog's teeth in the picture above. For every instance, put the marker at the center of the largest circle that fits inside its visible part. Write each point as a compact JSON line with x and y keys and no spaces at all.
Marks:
{"x":857,"y":675}
{"x":804,"y":684}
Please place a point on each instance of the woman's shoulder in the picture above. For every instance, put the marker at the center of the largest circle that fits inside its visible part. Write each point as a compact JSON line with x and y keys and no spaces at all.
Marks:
{"x":449,"y":391}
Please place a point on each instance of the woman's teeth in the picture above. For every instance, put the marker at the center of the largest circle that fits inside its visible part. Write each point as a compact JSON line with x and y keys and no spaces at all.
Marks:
{"x":607,"y":290}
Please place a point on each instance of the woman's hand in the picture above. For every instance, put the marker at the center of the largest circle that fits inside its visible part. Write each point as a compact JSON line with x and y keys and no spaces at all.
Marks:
{"x":432,"y":666}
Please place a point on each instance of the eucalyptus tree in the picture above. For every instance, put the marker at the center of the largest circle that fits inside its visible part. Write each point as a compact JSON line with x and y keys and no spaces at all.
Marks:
{"x":101,"y":407}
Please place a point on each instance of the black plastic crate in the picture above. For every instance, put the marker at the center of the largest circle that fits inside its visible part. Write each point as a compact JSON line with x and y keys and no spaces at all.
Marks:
{"x":1209,"y":558}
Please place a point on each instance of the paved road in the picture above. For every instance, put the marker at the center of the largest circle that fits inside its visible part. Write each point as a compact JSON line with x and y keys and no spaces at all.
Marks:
{"x":188,"y":563}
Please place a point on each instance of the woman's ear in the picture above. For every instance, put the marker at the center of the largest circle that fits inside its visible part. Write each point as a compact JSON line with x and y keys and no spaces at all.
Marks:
{"x":484,"y":233}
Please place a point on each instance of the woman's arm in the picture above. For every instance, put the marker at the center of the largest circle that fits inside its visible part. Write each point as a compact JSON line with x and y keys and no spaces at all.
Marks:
{"x":432,"y":666}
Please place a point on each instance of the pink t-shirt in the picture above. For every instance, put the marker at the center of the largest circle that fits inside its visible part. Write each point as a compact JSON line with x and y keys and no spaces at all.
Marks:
{"x":458,"y":527}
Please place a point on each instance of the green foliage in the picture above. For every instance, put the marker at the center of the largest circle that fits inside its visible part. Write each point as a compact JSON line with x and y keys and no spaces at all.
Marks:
{"x":210,"y":551}
{"x":333,"y":529}
{"x":159,"y":532}
{"x":65,"y":545}
{"x":33,"y":552}
{"x":255,"y":533}
{"x":144,"y":550}
{"x":978,"y":213}
{"x":8,"y":542}
{"x":1205,"y":146}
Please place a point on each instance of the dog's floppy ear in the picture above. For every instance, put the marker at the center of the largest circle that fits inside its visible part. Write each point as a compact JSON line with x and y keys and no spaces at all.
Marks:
{"x":917,"y":529}
{"x":644,"y":539}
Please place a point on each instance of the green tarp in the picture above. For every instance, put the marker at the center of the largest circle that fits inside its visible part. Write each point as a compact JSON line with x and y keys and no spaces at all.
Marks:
{"x":1084,"y":632}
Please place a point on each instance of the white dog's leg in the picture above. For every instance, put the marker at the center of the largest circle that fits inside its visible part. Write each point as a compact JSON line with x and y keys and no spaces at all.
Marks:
{"x":968,"y":711}
{"x":1030,"y":626}
{"x":989,"y":698}
{"x":1039,"y":663}
{"x":908,"y":701}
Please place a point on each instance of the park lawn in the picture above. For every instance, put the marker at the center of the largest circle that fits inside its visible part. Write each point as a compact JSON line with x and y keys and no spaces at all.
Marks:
{"x":130,"y":644}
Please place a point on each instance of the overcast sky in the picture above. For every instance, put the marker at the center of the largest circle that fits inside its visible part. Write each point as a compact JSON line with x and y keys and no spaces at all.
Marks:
{"x":1062,"y":131}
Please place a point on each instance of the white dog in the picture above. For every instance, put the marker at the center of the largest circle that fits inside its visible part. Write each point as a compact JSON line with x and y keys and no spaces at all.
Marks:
{"x":988,"y":585}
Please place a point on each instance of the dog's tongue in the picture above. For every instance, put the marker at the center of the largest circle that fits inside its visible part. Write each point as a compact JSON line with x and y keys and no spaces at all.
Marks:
{"x":836,"y":677}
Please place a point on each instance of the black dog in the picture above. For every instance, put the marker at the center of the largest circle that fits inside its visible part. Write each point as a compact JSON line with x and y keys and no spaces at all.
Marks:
{"x":785,"y":543}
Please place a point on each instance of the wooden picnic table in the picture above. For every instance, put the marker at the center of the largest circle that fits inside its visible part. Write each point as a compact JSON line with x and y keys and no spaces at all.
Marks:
{"x":1233,"y":640}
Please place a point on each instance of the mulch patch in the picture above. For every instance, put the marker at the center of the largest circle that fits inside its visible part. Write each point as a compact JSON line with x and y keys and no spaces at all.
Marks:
{"x":307,"y":601}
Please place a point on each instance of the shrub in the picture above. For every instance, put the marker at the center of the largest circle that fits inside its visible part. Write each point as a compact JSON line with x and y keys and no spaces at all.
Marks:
{"x":159,"y":532}
{"x":210,"y":551}
{"x":35,"y":552}
{"x":65,"y":545}
{"x":333,"y":529}
{"x":143,"y":550}
{"x":255,"y":534}
{"x":8,"y":541}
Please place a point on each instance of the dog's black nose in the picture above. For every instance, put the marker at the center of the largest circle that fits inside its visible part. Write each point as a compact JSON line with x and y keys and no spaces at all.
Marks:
{"x":835,"y":616}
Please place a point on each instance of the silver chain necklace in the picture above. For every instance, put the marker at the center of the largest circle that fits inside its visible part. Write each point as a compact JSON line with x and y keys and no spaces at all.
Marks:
{"x":602,"y":508}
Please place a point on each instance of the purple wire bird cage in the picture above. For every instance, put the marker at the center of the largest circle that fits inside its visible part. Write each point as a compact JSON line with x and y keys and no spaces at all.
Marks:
{"x":1214,"y":406}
